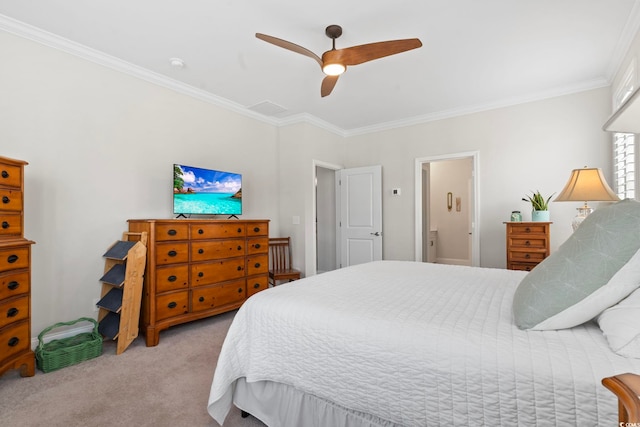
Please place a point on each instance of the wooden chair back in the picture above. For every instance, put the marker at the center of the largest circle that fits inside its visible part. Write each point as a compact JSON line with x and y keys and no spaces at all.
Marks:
{"x":280,"y":260}
{"x":627,"y":388}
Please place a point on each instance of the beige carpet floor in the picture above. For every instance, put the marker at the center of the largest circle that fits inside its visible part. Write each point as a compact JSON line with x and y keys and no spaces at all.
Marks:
{"x":166,"y":385}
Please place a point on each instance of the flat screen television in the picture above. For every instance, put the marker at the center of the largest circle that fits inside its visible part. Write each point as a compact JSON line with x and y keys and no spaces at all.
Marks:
{"x":198,"y":191}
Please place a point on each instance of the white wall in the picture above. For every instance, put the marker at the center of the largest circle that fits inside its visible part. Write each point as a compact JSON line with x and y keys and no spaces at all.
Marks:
{"x":532,"y":146}
{"x":100,"y":146}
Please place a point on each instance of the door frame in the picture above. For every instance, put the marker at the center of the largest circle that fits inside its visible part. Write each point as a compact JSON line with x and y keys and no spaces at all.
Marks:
{"x":475,"y":217}
{"x":310,"y":232}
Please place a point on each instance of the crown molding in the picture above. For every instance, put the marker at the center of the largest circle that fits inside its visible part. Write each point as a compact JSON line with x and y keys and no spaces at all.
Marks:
{"x":627,"y":36}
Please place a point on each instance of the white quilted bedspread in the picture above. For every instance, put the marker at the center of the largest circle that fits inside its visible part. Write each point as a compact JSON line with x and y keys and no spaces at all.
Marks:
{"x":419,"y":344}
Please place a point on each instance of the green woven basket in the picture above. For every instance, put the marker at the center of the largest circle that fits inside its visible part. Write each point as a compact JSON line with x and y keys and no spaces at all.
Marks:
{"x":57,"y":354}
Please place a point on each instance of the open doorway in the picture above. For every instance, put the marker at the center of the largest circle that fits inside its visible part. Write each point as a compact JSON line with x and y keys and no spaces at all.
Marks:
{"x":325,"y":219}
{"x":447,"y":209}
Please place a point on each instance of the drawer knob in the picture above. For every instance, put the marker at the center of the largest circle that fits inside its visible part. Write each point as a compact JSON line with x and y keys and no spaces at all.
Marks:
{"x":172,"y":232}
{"x":5,"y":224}
{"x":239,"y":268}
{"x":13,"y":285}
{"x":256,"y":265}
{"x":239,"y":247}
{"x":527,"y":230}
{"x":527,"y":243}
{"x":12,"y":258}
{"x":239,"y":230}
{"x":528,"y":268}
{"x":240,"y":290}
{"x":201,"y":274}
{"x":200,"y":251}
{"x":172,"y":304}
{"x":172,"y":253}
{"x":256,"y":229}
{"x":5,"y":200}
{"x":257,"y":246}
{"x":256,"y":285}
{"x":5,"y":174}
{"x":527,"y":256}
{"x":201,"y":299}
{"x":13,"y":341}
{"x":200,"y":231}
{"x":12,"y":312}
{"x":172,"y":278}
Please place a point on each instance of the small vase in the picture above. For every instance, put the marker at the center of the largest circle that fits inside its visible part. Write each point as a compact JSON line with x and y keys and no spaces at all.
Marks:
{"x":542,"y":216}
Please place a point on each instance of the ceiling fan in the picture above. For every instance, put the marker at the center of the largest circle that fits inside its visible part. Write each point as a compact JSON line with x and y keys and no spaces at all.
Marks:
{"x":335,"y":61}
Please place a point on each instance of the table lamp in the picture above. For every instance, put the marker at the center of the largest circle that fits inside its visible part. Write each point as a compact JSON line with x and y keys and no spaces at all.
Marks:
{"x":586,"y":185}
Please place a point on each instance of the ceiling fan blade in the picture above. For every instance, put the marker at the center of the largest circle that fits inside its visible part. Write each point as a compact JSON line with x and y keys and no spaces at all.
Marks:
{"x":368,"y":52}
{"x":328,"y":84}
{"x":290,"y":46}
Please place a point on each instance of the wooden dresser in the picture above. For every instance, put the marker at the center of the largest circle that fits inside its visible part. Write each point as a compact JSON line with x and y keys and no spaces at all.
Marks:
{"x":15,"y":273}
{"x":528,"y":243}
{"x":198,"y":268}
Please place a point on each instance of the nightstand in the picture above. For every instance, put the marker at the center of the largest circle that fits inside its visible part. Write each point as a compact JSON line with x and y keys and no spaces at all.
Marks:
{"x":528,"y":243}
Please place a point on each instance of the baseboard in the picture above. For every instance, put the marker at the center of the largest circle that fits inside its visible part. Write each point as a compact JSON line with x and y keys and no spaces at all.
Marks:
{"x":453,"y":261}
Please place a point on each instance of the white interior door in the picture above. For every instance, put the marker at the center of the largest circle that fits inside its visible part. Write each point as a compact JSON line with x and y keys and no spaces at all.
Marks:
{"x":360,"y":215}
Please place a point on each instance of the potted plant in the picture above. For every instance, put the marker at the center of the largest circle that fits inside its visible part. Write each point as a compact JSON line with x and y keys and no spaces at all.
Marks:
{"x":539,"y":205}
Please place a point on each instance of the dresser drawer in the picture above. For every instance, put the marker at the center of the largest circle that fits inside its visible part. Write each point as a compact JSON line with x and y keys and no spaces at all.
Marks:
{"x":14,"y":310}
{"x":14,"y":258}
{"x":536,"y":242}
{"x":258,"y":245}
{"x":208,"y":297}
{"x":217,"y":231}
{"x":217,"y":271}
{"x":257,"y":284}
{"x":216,"y":249}
{"x":14,"y":283}
{"x":171,"y":278}
{"x":10,"y":224}
{"x":172,"y":232}
{"x":257,"y":264}
{"x":14,"y":339}
{"x":258,"y":229}
{"x":10,"y":200}
{"x":172,"y":253}
{"x":521,"y":266}
{"x":171,"y":305}
{"x":527,"y":229}
{"x":10,"y":176}
{"x":526,"y":256}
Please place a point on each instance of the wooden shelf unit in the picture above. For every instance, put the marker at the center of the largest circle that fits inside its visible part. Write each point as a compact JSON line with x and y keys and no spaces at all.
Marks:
{"x":121,"y":295}
{"x":198,"y":268}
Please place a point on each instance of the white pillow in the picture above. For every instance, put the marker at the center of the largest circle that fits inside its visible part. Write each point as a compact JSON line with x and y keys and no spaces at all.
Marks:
{"x":620,"y":326}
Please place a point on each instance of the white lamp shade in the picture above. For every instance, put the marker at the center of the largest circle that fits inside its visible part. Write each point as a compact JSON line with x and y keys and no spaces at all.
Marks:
{"x":587,"y":184}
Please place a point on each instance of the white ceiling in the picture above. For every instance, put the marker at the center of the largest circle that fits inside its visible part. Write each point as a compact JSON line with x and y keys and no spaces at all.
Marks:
{"x":476,"y":54}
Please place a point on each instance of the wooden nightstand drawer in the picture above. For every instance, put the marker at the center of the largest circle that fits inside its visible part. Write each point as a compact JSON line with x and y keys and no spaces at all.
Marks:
{"x":521,"y":266}
{"x":14,"y":258}
{"x":171,"y":278}
{"x":528,"y":256}
{"x":216,"y":249}
{"x":217,"y":231}
{"x":13,"y":284}
{"x":258,"y":229}
{"x":173,"y":304}
{"x":172,"y":253}
{"x":172,"y":231}
{"x":205,"y":298}
{"x":535,"y":242}
{"x":14,"y":310}
{"x":10,"y":200}
{"x":527,"y":228}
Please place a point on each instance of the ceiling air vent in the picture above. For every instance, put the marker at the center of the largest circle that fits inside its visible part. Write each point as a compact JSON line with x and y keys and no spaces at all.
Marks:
{"x":267,"y":108}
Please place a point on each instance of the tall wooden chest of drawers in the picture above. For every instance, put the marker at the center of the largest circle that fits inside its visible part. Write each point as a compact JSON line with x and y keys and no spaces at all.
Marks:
{"x":15,"y":273}
{"x":198,"y":268}
{"x":528,"y":243}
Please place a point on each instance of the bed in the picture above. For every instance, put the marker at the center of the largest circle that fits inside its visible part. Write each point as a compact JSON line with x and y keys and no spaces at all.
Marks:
{"x":416,"y":344}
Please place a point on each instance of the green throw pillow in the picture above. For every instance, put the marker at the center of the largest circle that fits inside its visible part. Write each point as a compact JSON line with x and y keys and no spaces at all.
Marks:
{"x":582,"y":278}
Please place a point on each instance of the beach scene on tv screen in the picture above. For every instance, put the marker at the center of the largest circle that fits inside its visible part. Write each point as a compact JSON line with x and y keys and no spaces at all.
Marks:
{"x":206,"y":191}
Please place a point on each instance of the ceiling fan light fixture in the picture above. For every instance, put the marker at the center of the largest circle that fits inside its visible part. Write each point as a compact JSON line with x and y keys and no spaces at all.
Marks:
{"x":334,"y":69}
